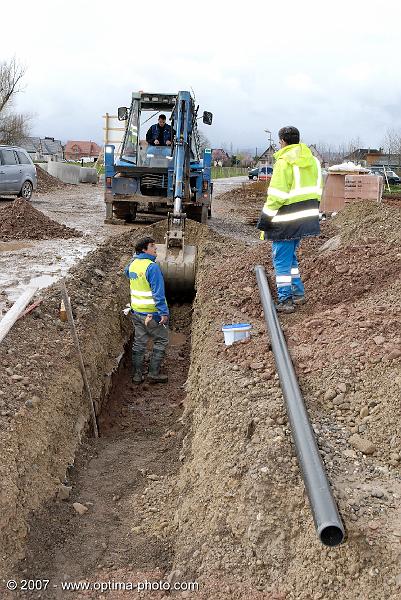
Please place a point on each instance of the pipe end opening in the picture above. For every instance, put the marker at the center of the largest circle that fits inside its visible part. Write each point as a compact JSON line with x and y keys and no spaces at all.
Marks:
{"x":332,"y":536}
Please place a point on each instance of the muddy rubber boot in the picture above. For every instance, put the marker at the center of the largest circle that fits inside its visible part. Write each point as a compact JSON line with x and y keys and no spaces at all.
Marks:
{"x":298,"y":300}
{"x":154,"y":375}
{"x":286,"y":306}
{"x":137,"y":366}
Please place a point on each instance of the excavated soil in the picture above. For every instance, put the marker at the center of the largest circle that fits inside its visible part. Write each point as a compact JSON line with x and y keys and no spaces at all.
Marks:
{"x":245,"y":202}
{"x":21,"y":221}
{"x":213,"y":495}
{"x":47,"y":183}
{"x":253,"y":518}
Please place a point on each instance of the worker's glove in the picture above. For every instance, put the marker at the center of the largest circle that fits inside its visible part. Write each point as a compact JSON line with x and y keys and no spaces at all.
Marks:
{"x":127,"y":309}
{"x":262,"y":235}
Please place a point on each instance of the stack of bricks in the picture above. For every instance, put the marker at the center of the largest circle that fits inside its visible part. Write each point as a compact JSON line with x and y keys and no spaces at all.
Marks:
{"x":363,"y":187}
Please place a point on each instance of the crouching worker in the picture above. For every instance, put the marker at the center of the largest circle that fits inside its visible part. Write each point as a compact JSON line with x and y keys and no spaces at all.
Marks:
{"x":149,"y":311}
{"x":290,"y":213}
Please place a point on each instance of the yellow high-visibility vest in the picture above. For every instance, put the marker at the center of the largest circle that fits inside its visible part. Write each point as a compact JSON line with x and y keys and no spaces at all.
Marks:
{"x":141,"y":292}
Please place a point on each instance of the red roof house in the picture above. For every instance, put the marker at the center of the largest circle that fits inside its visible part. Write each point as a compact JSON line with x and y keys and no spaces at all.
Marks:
{"x":76,"y":150}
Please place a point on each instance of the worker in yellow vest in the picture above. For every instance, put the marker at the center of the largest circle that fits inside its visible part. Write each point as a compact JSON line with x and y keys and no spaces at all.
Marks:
{"x":290,"y":213}
{"x":149,"y":311}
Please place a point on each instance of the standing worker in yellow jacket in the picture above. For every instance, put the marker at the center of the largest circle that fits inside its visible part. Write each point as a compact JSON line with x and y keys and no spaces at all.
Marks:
{"x":149,"y":311}
{"x":290,"y":213}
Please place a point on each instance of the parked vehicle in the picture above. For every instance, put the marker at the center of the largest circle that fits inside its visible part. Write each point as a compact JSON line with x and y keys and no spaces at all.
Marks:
{"x":265,"y":173}
{"x":261,"y":173}
{"x":391,"y":176}
{"x":17,"y":172}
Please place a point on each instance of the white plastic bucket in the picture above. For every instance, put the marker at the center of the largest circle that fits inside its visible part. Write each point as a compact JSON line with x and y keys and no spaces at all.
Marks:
{"x":236,"y":332}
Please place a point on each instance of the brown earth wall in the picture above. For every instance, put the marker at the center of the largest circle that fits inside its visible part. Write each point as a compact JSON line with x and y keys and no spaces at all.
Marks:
{"x":243,"y":516}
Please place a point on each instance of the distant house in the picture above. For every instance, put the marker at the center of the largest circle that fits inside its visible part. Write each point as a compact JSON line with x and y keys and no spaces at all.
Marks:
{"x":43,"y":148}
{"x":375,"y":158}
{"x":267,"y":156}
{"x":220,"y":157}
{"x":368,"y":156}
{"x":75,"y":150}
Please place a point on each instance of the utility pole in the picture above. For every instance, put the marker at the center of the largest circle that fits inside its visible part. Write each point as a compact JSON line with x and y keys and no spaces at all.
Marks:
{"x":270,"y":141}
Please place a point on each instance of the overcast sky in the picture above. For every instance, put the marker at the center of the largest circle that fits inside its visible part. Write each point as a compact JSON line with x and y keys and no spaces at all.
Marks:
{"x":331,"y":69}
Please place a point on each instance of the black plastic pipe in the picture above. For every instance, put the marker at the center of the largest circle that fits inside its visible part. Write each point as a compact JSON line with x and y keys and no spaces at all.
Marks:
{"x":328,"y":523}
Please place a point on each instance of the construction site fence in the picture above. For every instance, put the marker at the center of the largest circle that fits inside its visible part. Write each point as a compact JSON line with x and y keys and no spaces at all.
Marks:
{"x":219,"y":172}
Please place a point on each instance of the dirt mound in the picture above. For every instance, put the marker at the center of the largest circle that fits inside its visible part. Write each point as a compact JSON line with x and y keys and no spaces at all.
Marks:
{"x":46,"y":182}
{"x":246,"y":201}
{"x":369,"y":221}
{"x":20,"y":220}
{"x":240,"y":470}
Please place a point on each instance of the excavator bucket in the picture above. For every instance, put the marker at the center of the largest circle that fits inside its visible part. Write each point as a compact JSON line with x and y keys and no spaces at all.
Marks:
{"x":179,"y":268}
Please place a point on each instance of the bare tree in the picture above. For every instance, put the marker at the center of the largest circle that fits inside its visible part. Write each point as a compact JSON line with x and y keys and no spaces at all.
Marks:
{"x":392,"y":145}
{"x":13,"y":126}
{"x":353,"y":145}
{"x":203,"y":141}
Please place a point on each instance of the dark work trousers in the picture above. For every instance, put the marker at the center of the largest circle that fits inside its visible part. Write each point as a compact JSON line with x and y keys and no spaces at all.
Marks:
{"x":153,"y":330}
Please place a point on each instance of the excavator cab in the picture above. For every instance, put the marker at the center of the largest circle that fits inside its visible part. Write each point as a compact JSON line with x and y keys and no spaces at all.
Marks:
{"x":174,"y":181}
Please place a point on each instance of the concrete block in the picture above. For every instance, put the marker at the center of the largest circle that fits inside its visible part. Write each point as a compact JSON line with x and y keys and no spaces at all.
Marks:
{"x":87,"y":175}
{"x":64,"y":172}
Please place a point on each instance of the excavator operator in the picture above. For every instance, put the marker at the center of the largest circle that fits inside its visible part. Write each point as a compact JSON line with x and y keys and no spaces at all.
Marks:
{"x":159,"y":134}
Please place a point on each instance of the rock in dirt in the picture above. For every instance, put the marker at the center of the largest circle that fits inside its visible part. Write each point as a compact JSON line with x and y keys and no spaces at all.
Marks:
{"x":81,"y":509}
{"x":20,"y":220}
{"x":64,"y":492}
{"x":376,"y":493}
{"x":330,"y":394}
{"x":332,"y":244}
{"x":363,"y":445}
{"x":393,"y":355}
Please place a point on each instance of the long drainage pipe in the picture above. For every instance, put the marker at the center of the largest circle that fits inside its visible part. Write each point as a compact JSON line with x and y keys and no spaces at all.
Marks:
{"x":324,"y":509}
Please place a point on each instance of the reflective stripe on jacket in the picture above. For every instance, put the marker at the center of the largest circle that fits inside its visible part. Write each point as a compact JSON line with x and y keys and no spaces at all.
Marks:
{"x":291,"y":210}
{"x":141,"y":292}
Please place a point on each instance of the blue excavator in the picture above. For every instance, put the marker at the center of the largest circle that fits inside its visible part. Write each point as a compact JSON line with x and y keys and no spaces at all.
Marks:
{"x":156,"y":182}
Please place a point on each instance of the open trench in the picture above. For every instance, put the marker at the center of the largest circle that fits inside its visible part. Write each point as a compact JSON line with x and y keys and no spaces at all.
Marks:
{"x":121,"y":535}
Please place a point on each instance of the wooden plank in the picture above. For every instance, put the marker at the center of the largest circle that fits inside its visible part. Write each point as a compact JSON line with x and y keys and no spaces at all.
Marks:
{"x":31,"y":308}
{"x":67,"y":304}
{"x":17,"y":308}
